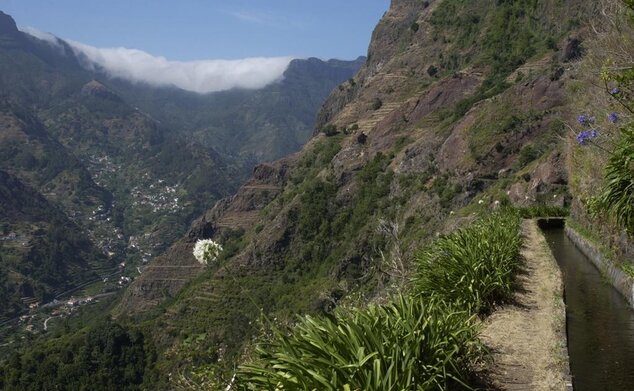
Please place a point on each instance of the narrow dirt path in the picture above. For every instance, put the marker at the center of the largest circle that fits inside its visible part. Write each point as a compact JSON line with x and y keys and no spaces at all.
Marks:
{"x":527,"y":338}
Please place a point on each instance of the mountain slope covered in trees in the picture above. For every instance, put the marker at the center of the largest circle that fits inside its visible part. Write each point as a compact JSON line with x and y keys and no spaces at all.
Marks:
{"x":130,"y":164}
{"x":43,"y":252}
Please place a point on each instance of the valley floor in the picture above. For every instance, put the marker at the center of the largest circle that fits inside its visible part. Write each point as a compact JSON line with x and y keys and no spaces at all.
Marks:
{"x":527,"y":339}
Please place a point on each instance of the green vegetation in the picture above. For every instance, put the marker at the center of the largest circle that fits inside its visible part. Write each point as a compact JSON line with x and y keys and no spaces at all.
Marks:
{"x":108,"y":357}
{"x":474,"y":266}
{"x":326,"y":227}
{"x":127,"y":160}
{"x":445,"y":190}
{"x":406,"y":345}
{"x":543,"y":211}
{"x":324,"y":243}
{"x":424,"y":341}
{"x":377,"y":104}
{"x":603,"y":169}
{"x":48,"y":253}
{"x":329,"y":130}
{"x":628,"y":269}
{"x":617,"y":196}
{"x":499,"y":35}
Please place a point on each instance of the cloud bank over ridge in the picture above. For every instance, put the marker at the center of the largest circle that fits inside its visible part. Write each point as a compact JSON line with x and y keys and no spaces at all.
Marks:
{"x":202,"y":76}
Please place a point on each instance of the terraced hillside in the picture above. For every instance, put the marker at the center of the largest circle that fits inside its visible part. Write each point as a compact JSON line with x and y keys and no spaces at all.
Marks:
{"x":459,"y":108}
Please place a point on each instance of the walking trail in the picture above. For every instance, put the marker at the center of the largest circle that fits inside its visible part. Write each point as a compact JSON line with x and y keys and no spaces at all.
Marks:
{"x":527,"y":338}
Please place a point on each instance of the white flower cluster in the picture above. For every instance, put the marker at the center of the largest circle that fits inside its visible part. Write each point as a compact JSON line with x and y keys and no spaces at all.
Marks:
{"x":206,"y":251}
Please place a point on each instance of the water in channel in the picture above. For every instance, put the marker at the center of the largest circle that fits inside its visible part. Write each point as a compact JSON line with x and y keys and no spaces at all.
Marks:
{"x":600,"y":323}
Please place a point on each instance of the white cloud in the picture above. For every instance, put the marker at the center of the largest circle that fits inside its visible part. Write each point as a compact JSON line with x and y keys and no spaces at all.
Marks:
{"x":198,"y":76}
{"x":253,"y":17}
{"x":266,"y":19}
{"x":48,"y":37}
{"x":44,"y":36}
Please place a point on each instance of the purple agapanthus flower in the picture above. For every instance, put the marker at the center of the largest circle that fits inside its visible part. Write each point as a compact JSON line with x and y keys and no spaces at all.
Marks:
{"x":583,"y":137}
{"x":585,"y":120}
{"x":587,"y":135}
{"x":615,"y":91}
{"x":613,"y":118}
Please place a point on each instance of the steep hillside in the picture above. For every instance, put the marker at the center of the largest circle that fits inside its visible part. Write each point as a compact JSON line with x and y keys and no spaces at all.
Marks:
{"x":64,"y":132}
{"x":457,"y":109}
{"x":42,"y":252}
{"x":131,"y":164}
{"x":600,"y":168}
{"x":28,"y":151}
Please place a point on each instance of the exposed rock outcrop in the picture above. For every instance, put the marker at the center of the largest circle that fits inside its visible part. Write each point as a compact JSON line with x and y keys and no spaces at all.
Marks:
{"x":7,"y":24}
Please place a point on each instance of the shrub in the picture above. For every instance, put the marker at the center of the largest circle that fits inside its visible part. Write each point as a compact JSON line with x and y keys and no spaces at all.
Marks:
{"x":329,"y":130}
{"x":409,"y":344}
{"x":428,"y":340}
{"x":617,"y":197}
{"x":474,"y":266}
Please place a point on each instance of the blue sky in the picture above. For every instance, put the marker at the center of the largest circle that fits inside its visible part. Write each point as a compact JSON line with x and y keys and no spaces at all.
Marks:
{"x":209,"y":29}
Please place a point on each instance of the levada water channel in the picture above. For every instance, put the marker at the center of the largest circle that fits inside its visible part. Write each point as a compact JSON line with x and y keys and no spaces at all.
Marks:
{"x":600,"y":323}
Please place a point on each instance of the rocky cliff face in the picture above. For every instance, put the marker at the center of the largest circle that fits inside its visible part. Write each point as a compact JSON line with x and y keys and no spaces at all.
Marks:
{"x":7,"y":24}
{"x":457,"y":109}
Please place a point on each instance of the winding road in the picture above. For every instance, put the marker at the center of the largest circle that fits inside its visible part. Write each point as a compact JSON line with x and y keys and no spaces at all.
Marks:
{"x":46,"y":322}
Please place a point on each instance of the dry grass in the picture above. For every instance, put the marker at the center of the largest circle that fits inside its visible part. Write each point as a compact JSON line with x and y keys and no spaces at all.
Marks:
{"x":526,"y":337}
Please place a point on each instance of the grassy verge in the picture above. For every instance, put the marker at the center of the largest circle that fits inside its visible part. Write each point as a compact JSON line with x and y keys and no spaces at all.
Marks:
{"x":473,"y":266}
{"x":543,"y":211}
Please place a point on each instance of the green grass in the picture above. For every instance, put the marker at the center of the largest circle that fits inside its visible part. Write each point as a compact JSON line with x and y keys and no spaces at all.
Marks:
{"x":609,"y":253}
{"x":543,"y":211}
{"x":628,"y":269}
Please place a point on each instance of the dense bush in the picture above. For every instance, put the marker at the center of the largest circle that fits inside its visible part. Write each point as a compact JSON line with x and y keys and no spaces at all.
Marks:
{"x":617,"y":197}
{"x":108,"y":357}
{"x":410,"y":344}
{"x":329,"y":130}
{"x":475,"y":265}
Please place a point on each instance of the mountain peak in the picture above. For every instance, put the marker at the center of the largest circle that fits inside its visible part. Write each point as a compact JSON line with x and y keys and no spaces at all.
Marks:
{"x":7,"y":24}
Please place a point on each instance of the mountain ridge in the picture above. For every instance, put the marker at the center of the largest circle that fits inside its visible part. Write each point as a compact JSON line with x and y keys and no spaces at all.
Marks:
{"x":412,"y":141}
{"x":127,"y":176}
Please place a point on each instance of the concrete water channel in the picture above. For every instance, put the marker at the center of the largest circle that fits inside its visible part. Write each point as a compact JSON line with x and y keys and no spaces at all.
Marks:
{"x":600,"y":322}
